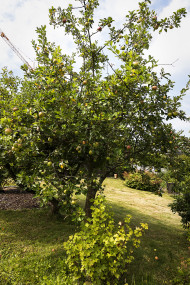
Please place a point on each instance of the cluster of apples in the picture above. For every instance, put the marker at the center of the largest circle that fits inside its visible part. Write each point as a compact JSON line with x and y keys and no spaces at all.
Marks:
{"x":17,"y":145}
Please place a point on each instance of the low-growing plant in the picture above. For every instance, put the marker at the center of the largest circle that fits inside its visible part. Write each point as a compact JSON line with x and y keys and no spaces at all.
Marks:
{"x":100,"y":252}
{"x":183,"y":273}
{"x":146,"y":181}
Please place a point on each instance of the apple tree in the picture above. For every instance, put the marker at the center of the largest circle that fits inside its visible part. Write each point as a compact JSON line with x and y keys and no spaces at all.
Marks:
{"x":9,"y":86}
{"x":77,"y":122}
{"x":126,"y":112}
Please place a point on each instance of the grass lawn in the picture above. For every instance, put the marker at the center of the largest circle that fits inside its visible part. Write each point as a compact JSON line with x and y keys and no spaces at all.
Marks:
{"x":31,"y":241}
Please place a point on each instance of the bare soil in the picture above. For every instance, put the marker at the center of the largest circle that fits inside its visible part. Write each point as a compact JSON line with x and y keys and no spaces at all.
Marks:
{"x":12,"y":198}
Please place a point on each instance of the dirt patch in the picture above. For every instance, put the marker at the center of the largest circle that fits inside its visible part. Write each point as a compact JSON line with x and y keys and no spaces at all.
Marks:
{"x":12,"y":198}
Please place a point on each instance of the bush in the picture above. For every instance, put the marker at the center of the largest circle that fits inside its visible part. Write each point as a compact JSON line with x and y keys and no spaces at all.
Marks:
{"x":182,"y":206}
{"x":181,"y":203}
{"x":100,"y":252}
{"x":146,"y":181}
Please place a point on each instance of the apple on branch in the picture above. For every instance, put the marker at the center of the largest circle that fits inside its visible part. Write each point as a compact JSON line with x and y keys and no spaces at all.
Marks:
{"x":64,"y":20}
{"x":154,"y":87}
{"x":135,"y":63}
{"x":84,"y":82}
{"x":8,"y":131}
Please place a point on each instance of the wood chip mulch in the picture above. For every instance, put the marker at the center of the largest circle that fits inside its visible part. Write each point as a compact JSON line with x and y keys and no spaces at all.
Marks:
{"x":11,"y":198}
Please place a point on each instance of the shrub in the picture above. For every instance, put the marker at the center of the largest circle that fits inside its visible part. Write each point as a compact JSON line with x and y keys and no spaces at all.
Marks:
{"x":182,"y":206}
{"x":181,"y":203}
{"x":146,"y":181}
{"x":100,"y":252}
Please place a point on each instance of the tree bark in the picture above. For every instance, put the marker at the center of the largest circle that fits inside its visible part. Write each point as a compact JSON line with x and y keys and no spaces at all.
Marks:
{"x":55,"y":207}
{"x":91,"y":194}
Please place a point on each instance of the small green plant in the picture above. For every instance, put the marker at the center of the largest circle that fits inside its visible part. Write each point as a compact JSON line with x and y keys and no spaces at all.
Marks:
{"x":183,"y":273}
{"x":100,"y":252}
{"x":146,"y":181}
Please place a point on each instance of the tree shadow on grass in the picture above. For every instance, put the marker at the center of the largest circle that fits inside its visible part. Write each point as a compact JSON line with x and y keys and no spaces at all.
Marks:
{"x":34,"y":225}
{"x":161,"y":250}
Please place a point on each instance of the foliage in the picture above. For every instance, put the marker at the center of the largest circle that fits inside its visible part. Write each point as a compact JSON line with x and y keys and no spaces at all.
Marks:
{"x":146,"y":181}
{"x":180,"y":169}
{"x":182,"y":206}
{"x":100,"y":252}
{"x":67,"y":127}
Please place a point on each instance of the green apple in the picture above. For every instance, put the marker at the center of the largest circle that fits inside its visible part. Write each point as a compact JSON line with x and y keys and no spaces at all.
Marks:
{"x":84,"y":82}
{"x":175,"y":113}
{"x":135,"y":63}
{"x":41,"y":114}
{"x":8,"y":131}
{"x":96,"y":144}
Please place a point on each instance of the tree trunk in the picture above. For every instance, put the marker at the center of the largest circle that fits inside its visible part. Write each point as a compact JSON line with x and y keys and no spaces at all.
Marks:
{"x":55,"y":207}
{"x":91,"y":194}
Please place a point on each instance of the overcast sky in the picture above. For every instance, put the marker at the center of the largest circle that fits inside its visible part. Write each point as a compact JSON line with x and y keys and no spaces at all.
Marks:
{"x":19,"y":19}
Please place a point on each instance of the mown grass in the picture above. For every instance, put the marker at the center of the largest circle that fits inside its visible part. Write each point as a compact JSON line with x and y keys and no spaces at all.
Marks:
{"x":31,"y":241}
{"x":164,"y":245}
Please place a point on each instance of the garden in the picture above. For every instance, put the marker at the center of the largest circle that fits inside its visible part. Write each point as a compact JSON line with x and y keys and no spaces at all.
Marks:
{"x":67,"y":128}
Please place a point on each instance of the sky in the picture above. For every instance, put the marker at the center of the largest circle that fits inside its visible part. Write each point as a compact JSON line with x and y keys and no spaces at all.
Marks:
{"x":20,"y":18}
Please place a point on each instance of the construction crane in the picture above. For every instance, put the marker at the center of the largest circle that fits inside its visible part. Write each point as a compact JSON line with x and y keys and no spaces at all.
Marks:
{"x":5,"y":38}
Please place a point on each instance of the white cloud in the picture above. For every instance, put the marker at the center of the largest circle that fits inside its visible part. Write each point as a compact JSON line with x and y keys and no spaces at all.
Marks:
{"x":117,"y":9}
{"x":175,"y":44}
